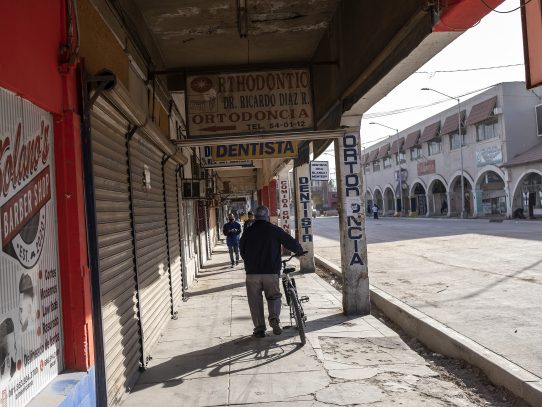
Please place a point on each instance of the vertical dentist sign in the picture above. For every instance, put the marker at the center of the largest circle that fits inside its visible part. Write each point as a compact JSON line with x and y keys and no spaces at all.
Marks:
{"x":351,"y":194}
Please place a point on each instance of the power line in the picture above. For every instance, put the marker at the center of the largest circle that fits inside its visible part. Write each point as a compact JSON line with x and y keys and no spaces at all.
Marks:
{"x":470,"y":69}
{"x":507,"y":11}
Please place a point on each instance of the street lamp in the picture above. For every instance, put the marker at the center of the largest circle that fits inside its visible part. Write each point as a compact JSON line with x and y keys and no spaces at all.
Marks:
{"x":460,"y":148}
{"x":399,"y":174}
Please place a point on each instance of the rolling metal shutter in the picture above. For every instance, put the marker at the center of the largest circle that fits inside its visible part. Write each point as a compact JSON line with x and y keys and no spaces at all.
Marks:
{"x":118,"y":278}
{"x":173,"y":232}
{"x":150,"y":240}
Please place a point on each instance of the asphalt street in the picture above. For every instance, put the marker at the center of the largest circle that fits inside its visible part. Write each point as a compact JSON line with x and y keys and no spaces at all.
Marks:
{"x":480,"y":278}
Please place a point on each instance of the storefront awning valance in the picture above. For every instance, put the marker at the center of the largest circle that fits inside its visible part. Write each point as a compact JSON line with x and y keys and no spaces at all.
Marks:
{"x":372,"y":156}
{"x":429,"y":132}
{"x":411,"y":140}
{"x":383,"y":151}
{"x":481,"y":111}
{"x":397,"y":145}
{"x":451,"y":124}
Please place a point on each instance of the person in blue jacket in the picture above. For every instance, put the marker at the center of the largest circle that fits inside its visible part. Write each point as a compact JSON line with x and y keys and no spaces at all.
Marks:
{"x":232,"y":230}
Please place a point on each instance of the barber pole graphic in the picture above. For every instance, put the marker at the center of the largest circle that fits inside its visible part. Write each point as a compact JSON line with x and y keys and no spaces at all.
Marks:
{"x":30,"y":320}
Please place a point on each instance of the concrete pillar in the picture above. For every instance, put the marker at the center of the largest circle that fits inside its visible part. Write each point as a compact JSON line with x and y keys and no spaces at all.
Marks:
{"x":356,"y":299}
{"x":303,"y":210}
{"x":449,"y":200}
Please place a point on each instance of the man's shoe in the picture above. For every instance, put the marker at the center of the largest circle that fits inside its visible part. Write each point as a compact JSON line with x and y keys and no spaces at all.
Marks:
{"x":231,"y":265}
{"x":275,"y":324}
{"x":259,"y":334}
{"x":237,"y":263}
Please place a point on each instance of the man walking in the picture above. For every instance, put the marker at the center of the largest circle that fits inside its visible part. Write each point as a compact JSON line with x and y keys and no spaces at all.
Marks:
{"x":232,"y":230}
{"x":250,"y":221}
{"x":260,"y":249}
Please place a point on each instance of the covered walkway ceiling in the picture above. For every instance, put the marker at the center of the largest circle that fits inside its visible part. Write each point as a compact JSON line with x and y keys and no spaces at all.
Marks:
{"x":357,"y":50}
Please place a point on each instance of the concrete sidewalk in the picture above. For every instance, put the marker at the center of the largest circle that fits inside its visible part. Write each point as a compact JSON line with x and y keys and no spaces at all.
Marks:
{"x":207,"y":357}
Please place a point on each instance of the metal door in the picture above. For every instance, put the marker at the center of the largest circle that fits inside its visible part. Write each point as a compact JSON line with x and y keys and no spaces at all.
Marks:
{"x":150,"y":240}
{"x":118,"y":278}
{"x":173,"y":232}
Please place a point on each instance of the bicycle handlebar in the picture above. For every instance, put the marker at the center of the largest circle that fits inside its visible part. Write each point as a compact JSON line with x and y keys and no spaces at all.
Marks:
{"x":292,"y":256}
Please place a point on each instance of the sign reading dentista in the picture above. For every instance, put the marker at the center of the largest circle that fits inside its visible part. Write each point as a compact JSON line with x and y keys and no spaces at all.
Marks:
{"x":249,"y":102}
{"x":30,"y":321}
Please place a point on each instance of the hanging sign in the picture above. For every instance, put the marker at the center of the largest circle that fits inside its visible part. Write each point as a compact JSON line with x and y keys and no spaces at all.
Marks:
{"x":284,"y":202}
{"x":208,"y":161}
{"x":249,"y":102}
{"x":254,"y":151}
{"x":30,"y":321}
{"x":319,"y":171}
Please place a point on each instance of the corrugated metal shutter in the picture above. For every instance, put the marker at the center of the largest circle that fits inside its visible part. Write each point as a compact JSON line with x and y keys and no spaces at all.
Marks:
{"x":118,"y":279}
{"x":150,"y":234}
{"x":174,"y":232}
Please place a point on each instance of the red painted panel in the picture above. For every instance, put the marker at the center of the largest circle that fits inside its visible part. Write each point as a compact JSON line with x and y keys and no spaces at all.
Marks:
{"x":460,"y":15}
{"x":273,"y":197}
{"x":72,"y":242}
{"x":30,"y":39}
{"x":265,"y":196}
{"x":531,"y":22}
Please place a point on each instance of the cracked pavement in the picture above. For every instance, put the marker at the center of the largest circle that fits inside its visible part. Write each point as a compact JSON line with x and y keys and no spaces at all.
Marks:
{"x":207,"y":357}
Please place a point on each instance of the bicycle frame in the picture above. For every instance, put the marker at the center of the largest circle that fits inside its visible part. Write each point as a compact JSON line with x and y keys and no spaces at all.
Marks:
{"x":293,"y":300}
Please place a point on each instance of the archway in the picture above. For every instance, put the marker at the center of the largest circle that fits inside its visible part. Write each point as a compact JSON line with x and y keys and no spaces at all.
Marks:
{"x":455,"y":197}
{"x":528,"y":194}
{"x":438,"y":197}
{"x":368,"y":201}
{"x":418,"y":200}
{"x":378,"y":200}
{"x":389,"y":201}
{"x":492,"y":195}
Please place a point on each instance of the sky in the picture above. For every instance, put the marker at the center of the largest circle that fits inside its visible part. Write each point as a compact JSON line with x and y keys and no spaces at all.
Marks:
{"x":495,"y":41}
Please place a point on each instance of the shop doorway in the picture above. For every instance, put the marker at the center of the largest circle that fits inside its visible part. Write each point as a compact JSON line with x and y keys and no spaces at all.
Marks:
{"x":419,"y":200}
{"x":528,"y":195}
{"x":493,"y":195}
{"x":438,"y":201}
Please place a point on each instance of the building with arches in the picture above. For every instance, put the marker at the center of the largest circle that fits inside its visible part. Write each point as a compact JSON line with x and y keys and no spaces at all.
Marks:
{"x":502,"y":159}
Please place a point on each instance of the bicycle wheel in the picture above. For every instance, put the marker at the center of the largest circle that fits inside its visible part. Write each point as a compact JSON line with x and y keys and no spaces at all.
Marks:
{"x":298,"y":316}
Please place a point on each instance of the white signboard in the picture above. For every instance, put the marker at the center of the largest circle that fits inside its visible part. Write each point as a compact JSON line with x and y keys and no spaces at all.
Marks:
{"x":30,"y":321}
{"x":319,"y":171}
{"x":284,"y":203}
{"x":249,"y":102}
{"x":208,"y":161}
{"x":488,"y":156}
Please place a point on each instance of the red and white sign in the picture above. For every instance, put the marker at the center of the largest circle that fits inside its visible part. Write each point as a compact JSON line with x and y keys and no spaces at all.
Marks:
{"x":284,"y":203}
{"x":30,"y":320}
{"x":249,"y":102}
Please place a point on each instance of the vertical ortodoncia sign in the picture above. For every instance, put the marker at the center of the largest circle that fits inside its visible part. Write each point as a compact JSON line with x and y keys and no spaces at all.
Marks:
{"x":303,"y":213}
{"x":284,"y":202}
{"x":351,"y":206}
{"x":249,"y":102}
{"x":30,"y":320}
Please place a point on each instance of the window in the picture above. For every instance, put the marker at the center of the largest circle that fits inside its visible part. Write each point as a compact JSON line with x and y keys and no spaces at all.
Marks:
{"x":454,"y":141}
{"x":486,"y":130}
{"x":434,"y":147}
{"x":387,"y":162}
{"x":415,"y":153}
{"x":400,"y":158}
{"x":376,"y":165}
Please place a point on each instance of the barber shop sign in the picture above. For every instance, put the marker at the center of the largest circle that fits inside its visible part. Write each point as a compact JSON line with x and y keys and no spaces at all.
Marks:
{"x":30,"y":324}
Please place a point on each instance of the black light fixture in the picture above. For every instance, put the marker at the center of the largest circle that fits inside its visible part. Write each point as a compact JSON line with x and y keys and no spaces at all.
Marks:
{"x":242,"y":18}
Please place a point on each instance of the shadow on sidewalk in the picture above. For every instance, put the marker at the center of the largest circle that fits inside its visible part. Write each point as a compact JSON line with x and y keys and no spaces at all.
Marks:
{"x":215,"y":289}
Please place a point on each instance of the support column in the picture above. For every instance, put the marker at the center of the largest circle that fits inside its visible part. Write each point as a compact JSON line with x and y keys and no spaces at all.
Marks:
{"x":303,"y":211}
{"x":259,"y":197}
{"x":356,"y":300}
{"x":265,"y":196}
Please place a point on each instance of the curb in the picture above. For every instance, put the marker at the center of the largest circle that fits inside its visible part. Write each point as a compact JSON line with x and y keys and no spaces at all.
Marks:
{"x":444,"y":340}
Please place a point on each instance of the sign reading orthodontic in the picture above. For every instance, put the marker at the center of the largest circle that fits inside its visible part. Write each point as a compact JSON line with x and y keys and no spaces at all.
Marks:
{"x":249,"y":102}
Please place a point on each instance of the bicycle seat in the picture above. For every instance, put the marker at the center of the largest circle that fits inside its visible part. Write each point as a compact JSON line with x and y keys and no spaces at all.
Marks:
{"x":288,"y":270}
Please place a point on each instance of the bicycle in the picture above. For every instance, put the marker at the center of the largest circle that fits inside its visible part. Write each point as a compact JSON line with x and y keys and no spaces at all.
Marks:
{"x":293,"y":300}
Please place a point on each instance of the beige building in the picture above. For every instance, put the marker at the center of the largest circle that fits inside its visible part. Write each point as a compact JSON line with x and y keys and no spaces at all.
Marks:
{"x":501,"y":159}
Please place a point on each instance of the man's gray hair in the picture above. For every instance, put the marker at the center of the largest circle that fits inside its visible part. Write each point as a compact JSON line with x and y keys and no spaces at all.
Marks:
{"x":262,"y":213}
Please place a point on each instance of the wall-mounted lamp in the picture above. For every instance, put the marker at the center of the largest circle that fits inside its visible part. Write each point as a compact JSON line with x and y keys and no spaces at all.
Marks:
{"x":242,"y":18}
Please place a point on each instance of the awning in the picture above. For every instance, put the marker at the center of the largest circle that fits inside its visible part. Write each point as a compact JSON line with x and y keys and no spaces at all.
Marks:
{"x":481,"y":111}
{"x":450,"y":124}
{"x":394,"y":149}
{"x":430,"y":132}
{"x":411,"y":140}
{"x":372,"y":156}
{"x":383,"y":151}
{"x":533,"y":154}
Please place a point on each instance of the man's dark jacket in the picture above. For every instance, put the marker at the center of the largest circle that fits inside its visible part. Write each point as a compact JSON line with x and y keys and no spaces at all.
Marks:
{"x":260,"y":247}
